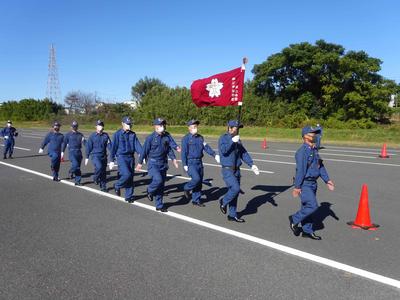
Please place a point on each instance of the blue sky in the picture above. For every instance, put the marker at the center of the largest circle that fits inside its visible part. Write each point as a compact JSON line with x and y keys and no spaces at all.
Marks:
{"x":107,"y":46}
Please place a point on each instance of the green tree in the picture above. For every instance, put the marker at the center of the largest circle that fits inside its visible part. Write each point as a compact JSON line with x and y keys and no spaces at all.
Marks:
{"x":322,"y":80}
{"x":143,"y":86}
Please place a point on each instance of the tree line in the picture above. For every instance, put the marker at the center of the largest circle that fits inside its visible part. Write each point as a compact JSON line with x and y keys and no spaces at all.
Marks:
{"x":302,"y":84}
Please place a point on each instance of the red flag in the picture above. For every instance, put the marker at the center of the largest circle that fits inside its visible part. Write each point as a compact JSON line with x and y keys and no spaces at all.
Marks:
{"x":222,"y":89}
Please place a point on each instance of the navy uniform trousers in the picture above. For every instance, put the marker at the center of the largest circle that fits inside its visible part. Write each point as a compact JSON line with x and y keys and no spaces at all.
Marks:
{"x":158,"y":174}
{"x":126,"y":165}
{"x":196,"y":173}
{"x":232,"y":181}
{"x":75,"y":156}
{"x":309,"y":205}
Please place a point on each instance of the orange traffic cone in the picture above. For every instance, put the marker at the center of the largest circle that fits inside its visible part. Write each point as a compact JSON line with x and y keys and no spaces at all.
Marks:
{"x":264,"y":144}
{"x":383,"y":152}
{"x":363,"y":219}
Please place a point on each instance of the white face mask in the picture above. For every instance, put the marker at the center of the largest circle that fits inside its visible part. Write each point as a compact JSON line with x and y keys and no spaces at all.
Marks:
{"x":8,"y":124}
{"x":126,"y":127}
{"x":160,"y":129}
{"x":193,"y":131}
{"x":99,"y":128}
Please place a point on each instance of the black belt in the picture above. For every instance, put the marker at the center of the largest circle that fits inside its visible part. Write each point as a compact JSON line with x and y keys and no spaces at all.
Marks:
{"x":310,"y":179}
{"x":230,"y":168}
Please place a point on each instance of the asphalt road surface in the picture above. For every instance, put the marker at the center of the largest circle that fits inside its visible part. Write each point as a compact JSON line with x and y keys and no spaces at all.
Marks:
{"x":59,"y":241}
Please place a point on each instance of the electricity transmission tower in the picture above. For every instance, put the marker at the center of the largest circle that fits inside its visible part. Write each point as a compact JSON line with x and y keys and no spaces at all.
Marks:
{"x":53,"y":85}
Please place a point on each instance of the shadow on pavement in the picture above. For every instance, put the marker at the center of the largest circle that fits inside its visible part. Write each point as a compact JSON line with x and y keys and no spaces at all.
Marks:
{"x":322,"y":212}
{"x":272,"y":191}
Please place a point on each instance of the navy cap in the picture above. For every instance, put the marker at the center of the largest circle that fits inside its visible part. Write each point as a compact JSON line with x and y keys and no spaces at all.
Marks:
{"x":235,"y":123}
{"x":99,"y":123}
{"x":192,"y":122}
{"x":56,"y":124}
{"x":74,"y":124}
{"x":127,"y":120}
{"x":159,"y":121}
{"x":309,"y":129}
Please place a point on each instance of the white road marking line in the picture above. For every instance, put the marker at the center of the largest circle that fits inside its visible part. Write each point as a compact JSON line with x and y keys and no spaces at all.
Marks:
{"x":25,"y":149}
{"x":271,"y":154}
{"x":329,"y":159}
{"x":355,"y":148}
{"x":169,"y":175}
{"x":32,"y":137}
{"x":242,"y":169}
{"x":350,"y":151}
{"x":361,"y":162}
{"x":275,"y":161}
{"x":302,"y":254}
{"x":335,"y":154}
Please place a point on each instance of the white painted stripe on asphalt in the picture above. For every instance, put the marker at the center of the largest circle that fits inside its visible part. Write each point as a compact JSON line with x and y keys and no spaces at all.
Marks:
{"x":271,"y":154}
{"x":242,"y":169}
{"x":275,"y":161}
{"x":327,"y":159}
{"x":25,"y":149}
{"x":169,"y":175}
{"x":351,"y":151}
{"x":361,"y":162}
{"x":219,"y":166}
{"x":335,"y":154}
{"x":32,"y":137}
{"x":302,"y":254}
{"x":355,"y":148}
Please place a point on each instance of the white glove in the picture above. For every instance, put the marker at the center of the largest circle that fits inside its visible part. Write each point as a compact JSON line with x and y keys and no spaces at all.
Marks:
{"x":217,"y":158}
{"x":254,"y":168}
{"x":40,"y":151}
{"x":86,"y":161}
{"x":186,"y":168}
{"x":62,"y":155}
{"x":111,"y":165}
{"x":236,"y":138}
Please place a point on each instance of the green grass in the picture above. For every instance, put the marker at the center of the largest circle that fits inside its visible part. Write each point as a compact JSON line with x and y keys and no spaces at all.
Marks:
{"x":361,"y":137}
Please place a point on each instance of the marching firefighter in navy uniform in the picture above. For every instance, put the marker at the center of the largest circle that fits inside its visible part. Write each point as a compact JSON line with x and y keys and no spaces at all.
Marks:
{"x":309,"y":167}
{"x":123,"y":147}
{"x":74,"y":140}
{"x":232,"y":153}
{"x":9,"y":133}
{"x":96,"y":149}
{"x":193,"y":146}
{"x":55,"y":141}
{"x":157,"y":147}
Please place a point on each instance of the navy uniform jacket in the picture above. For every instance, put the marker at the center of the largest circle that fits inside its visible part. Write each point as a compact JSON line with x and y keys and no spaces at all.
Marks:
{"x":74,"y":141}
{"x":9,"y":132}
{"x":157,"y":148}
{"x":125,"y":143}
{"x":172,"y":142}
{"x":97,"y":144}
{"x":232,"y":153}
{"x":55,"y":141}
{"x":309,"y":166}
{"x":193,"y":147}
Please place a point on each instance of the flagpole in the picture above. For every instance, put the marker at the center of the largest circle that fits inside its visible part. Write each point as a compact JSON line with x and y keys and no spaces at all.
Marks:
{"x":240,"y":104}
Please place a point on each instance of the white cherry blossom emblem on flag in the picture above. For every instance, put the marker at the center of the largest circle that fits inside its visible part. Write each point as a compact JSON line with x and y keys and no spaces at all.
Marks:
{"x":214,"y":88}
